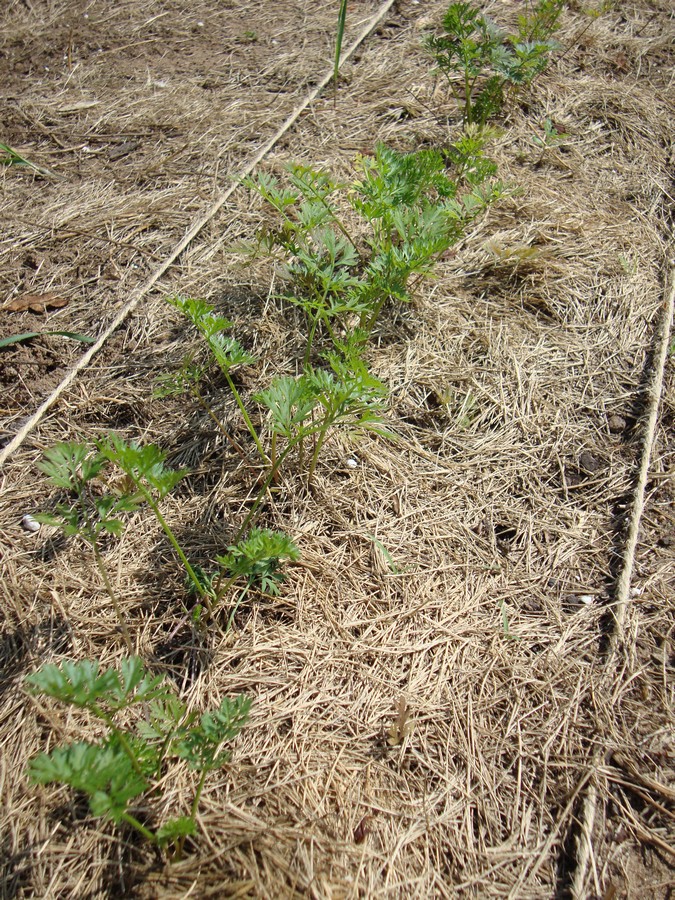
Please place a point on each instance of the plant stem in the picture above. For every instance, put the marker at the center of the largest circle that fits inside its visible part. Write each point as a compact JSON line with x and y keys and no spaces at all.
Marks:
{"x":245,"y":415}
{"x":89,"y":532}
{"x":374,"y":316}
{"x":263,"y":490}
{"x":310,"y":341}
{"x":328,"y":420}
{"x":111,"y":593}
{"x":203,"y":593}
{"x":119,"y":735}
{"x":236,"y":607}
{"x":468,"y":112}
{"x":193,"y":810}
{"x":196,"y":393}
{"x":131,"y":820}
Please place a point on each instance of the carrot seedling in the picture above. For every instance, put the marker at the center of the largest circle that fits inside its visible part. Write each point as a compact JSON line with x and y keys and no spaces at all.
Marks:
{"x":129,"y":760}
{"x":89,"y":514}
{"x":227,"y":352}
{"x":481,"y":62}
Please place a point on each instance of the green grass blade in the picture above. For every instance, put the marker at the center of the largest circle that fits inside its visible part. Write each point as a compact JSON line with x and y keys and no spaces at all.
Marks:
{"x":29,"y":335}
{"x":342,"y":21}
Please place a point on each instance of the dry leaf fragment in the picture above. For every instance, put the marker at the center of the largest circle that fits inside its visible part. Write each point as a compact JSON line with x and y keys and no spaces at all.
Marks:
{"x":37,"y":303}
{"x":362,"y":830}
{"x":402,"y":727}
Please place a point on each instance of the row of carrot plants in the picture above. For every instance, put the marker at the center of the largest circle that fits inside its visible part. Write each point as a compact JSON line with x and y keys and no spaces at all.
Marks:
{"x":347,"y":253}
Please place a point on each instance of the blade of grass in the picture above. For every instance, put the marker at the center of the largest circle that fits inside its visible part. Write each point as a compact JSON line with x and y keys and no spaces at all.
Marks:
{"x":14,"y":158}
{"x":340,"y":33}
{"x":29,"y":335}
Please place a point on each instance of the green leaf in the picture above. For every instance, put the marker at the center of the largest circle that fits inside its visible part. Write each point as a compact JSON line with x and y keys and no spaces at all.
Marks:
{"x":201,"y":745}
{"x":142,"y":464}
{"x":104,"y":772}
{"x":29,"y":335}
{"x":69,"y":465}
{"x":166,"y":718}
{"x":290,"y":401}
{"x":82,"y":684}
{"x":175,"y":829}
{"x":258,"y":557}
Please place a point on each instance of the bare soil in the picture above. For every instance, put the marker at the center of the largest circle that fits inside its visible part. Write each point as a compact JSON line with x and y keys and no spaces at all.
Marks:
{"x":519,"y":390}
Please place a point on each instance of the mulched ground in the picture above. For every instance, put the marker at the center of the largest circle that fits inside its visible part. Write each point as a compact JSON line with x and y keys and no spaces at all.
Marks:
{"x":518,"y":392}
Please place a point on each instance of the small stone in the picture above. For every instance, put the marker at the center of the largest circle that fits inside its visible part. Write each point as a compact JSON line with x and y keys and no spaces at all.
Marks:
{"x":589,"y":462}
{"x":587,"y":599}
{"x":616,"y":424}
{"x":28,"y":523}
{"x":351,"y":463}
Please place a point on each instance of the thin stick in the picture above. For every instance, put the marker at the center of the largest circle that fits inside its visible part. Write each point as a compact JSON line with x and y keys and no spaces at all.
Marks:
{"x":622,"y":593}
{"x":198,"y":226}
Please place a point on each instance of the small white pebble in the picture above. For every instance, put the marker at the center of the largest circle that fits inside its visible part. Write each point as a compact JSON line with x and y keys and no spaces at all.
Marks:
{"x":586,"y":598}
{"x":200,"y":24}
{"x":636,"y":591}
{"x":30,"y":524}
{"x":351,"y":463}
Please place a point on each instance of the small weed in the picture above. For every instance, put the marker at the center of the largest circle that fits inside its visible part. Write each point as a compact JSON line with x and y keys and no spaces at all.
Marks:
{"x":481,"y":62}
{"x":12,"y":157}
{"x":29,"y":335}
{"x":550,"y":138}
{"x":129,"y":761}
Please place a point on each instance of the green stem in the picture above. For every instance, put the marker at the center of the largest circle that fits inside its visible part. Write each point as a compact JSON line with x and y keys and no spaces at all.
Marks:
{"x":328,"y":420}
{"x":131,"y":820}
{"x":468,"y":112}
{"x":268,"y":481}
{"x":203,"y":593}
{"x":111,"y":593}
{"x":245,"y":415}
{"x":310,"y":341}
{"x":236,"y":607}
{"x":89,"y":532}
{"x":196,"y":393}
{"x":198,"y":794}
{"x":193,"y":810}
{"x":376,"y":314}
{"x":120,"y":736}
{"x":273,"y":448}
{"x":322,"y":200}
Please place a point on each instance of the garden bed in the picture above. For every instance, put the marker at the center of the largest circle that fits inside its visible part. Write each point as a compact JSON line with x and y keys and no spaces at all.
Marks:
{"x":433,"y":697}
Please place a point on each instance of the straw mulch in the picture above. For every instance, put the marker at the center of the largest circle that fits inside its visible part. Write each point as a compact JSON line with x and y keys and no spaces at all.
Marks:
{"x":432,"y":698}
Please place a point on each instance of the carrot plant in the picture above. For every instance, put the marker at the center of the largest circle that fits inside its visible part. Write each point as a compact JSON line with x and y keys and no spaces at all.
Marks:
{"x":256,"y":561}
{"x":153,"y":480}
{"x":88,"y":513}
{"x":409,"y":212}
{"x":132,"y":757}
{"x":481,"y":62}
{"x":307,"y":408}
{"x":227,"y":352}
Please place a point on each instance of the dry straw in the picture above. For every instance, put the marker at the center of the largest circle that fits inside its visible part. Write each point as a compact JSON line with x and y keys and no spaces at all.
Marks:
{"x":617,"y":647}
{"x":29,"y":424}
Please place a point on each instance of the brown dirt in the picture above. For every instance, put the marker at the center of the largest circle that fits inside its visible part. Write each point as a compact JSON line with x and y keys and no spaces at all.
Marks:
{"x":503,"y":503}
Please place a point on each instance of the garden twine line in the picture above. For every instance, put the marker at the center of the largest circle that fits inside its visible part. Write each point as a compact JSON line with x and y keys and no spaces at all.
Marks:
{"x":654,"y":392}
{"x":30,"y":423}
